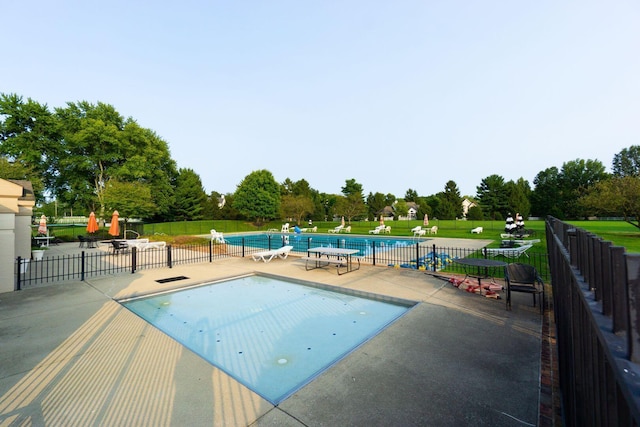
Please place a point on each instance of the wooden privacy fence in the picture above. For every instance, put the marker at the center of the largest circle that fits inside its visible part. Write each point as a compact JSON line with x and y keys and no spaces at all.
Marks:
{"x":596,"y":302}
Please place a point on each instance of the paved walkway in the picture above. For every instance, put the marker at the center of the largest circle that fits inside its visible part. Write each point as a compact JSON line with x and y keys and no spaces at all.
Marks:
{"x":71,"y":355}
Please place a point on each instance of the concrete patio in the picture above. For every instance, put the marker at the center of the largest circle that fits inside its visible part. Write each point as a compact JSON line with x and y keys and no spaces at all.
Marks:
{"x":71,"y":355}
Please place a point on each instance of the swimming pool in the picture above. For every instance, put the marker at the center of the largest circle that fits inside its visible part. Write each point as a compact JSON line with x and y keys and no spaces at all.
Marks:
{"x":304,"y":241}
{"x":271,"y":334}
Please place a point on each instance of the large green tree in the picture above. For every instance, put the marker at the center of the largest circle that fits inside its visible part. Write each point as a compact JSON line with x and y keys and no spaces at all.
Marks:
{"x":258,"y":197}
{"x":576,"y":177}
{"x":627,"y":162}
{"x":190,"y":197}
{"x":492,"y":196}
{"x":450,"y":202}
{"x":546,"y":197}
{"x":615,"y":196}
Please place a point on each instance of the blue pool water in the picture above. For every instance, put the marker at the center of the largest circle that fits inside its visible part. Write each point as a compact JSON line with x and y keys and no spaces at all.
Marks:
{"x":272,"y":335}
{"x":304,"y":241}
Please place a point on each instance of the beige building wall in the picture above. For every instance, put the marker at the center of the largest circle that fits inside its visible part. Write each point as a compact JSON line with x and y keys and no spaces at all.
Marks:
{"x":16,"y":207}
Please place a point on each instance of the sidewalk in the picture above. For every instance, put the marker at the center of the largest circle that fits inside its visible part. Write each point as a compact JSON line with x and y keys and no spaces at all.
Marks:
{"x":70,"y":355}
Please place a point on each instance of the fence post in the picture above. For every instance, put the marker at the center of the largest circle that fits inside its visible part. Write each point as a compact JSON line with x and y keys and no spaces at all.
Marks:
{"x":19,"y":276}
{"x":169,"y":263}
{"x":633,"y":289}
{"x":373,"y":251}
{"x":211,"y":251}
{"x":82,"y":266}
{"x":134,"y":258}
{"x":434,"y":258}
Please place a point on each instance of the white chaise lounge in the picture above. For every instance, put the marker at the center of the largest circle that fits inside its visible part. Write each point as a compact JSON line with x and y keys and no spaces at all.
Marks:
{"x":267,"y":256}
{"x":216,"y":236}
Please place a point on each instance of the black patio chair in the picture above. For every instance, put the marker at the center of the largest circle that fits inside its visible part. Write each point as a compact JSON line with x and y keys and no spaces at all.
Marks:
{"x":119,"y":246}
{"x":524,"y":278}
{"x":82,"y":241}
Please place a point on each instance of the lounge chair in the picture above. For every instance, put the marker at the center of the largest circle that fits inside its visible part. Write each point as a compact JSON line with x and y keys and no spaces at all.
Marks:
{"x":285,"y":228}
{"x":337,"y":229}
{"x":387,"y":229}
{"x":216,"y":236}
{"x":347,"y":229}
{"x":379,"y":229}
{"x":433,"y":230}
{"x":510,"y":252}
{"x":417,"y":229}
{"x":477,"y":230}
{"x":267,"y":256}
{"x":419,"y":233}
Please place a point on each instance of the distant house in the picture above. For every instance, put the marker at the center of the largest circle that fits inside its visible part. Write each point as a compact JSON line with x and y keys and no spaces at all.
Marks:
{"x":412,"y":212}
{"x":388,"y":213}
{"x":466,"y":205}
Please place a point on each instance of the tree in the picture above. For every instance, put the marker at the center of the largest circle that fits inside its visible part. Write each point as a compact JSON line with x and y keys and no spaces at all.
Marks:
{"x":450,"y":202}
{"x":296,"y":207}
{"x":492,"y":196}
{"x":351,"y":207}
{"x":29,"y":140}
{"x":258,"y":197}
{"x":130,"y":199}
{"x":518,"y":194}
{"x":546,"y":195}
{"x":411,"y":196}
{"x":627,"y":162}
{"x":615,"y":196}
{"x":190,"y":196}
{"x":576,"y":177}
{"x":351,"y":187}
{"x":375,"y":203}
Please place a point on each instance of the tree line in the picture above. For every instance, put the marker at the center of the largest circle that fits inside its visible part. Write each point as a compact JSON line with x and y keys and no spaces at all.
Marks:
{"x":87,"y":157}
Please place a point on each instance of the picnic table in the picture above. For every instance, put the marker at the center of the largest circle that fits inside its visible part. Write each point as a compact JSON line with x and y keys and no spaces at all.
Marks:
{"x":338,"y":257}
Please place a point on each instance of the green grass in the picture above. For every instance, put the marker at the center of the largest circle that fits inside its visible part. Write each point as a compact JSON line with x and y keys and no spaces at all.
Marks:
{"x":620,"y":233}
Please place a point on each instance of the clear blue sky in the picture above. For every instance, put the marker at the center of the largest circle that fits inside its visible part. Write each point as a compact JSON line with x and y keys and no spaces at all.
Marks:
{"x":396,"y":95}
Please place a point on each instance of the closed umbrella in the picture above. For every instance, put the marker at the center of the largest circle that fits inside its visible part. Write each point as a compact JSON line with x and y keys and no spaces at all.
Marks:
{"x":114,"y":229}
{"x":92,"y":225}
{"x":42,"y":228}
{"x":426,"y":220}
{"x":381,"y":220}
{"x":342,"y":222}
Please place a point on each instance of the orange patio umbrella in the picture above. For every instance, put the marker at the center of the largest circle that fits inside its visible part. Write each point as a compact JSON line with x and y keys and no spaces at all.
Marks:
{"x":114,"y":229}
{"x":92,"y":225}
{"x":426,"y":220}
{"x":42,"y":228}
{"x":342,"y":222}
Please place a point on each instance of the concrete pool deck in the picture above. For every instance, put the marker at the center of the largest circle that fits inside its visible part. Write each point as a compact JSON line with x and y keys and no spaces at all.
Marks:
{"x":71,"y":355}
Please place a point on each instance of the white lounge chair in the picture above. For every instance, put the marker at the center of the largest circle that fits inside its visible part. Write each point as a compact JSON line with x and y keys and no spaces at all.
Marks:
{"x":419,"y":233}
{"x":414,"y":230}
{"x":387,"y":229}
{"x":285,"y":228}
{"x":337,"y":229}
{"x":347,"y":229}
{"x":267,"y":256}
{"x":433,"y":230}
{"x":510,"y":252}
{"x":216,"y":237}
{"x":379,"y":229}
{"x":477,"y":230}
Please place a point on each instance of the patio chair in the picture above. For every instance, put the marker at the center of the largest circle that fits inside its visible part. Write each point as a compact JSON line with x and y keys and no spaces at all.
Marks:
{"x":216,"y":236}
{"x":524,"y":278}
{"x":347,"y":229}
{"x":417,"y":229}
{"x":514,"y":252}
{"x":477,"y":230}
{"x":387,"y":229}
{"x":119,"y":246}
{"x":433,"y":230}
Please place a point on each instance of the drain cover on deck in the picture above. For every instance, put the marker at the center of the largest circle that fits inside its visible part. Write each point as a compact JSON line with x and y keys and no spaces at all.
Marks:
{"x":171,"y":279}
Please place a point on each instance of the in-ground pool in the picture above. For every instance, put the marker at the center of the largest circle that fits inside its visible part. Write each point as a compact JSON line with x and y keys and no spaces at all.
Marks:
{"x":303,"y":241}
{"x":271,"y":334}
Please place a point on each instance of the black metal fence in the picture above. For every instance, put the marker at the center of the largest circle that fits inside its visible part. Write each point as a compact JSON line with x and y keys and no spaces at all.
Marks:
{"x":415,"y":254}
{"x":596,"y":301}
